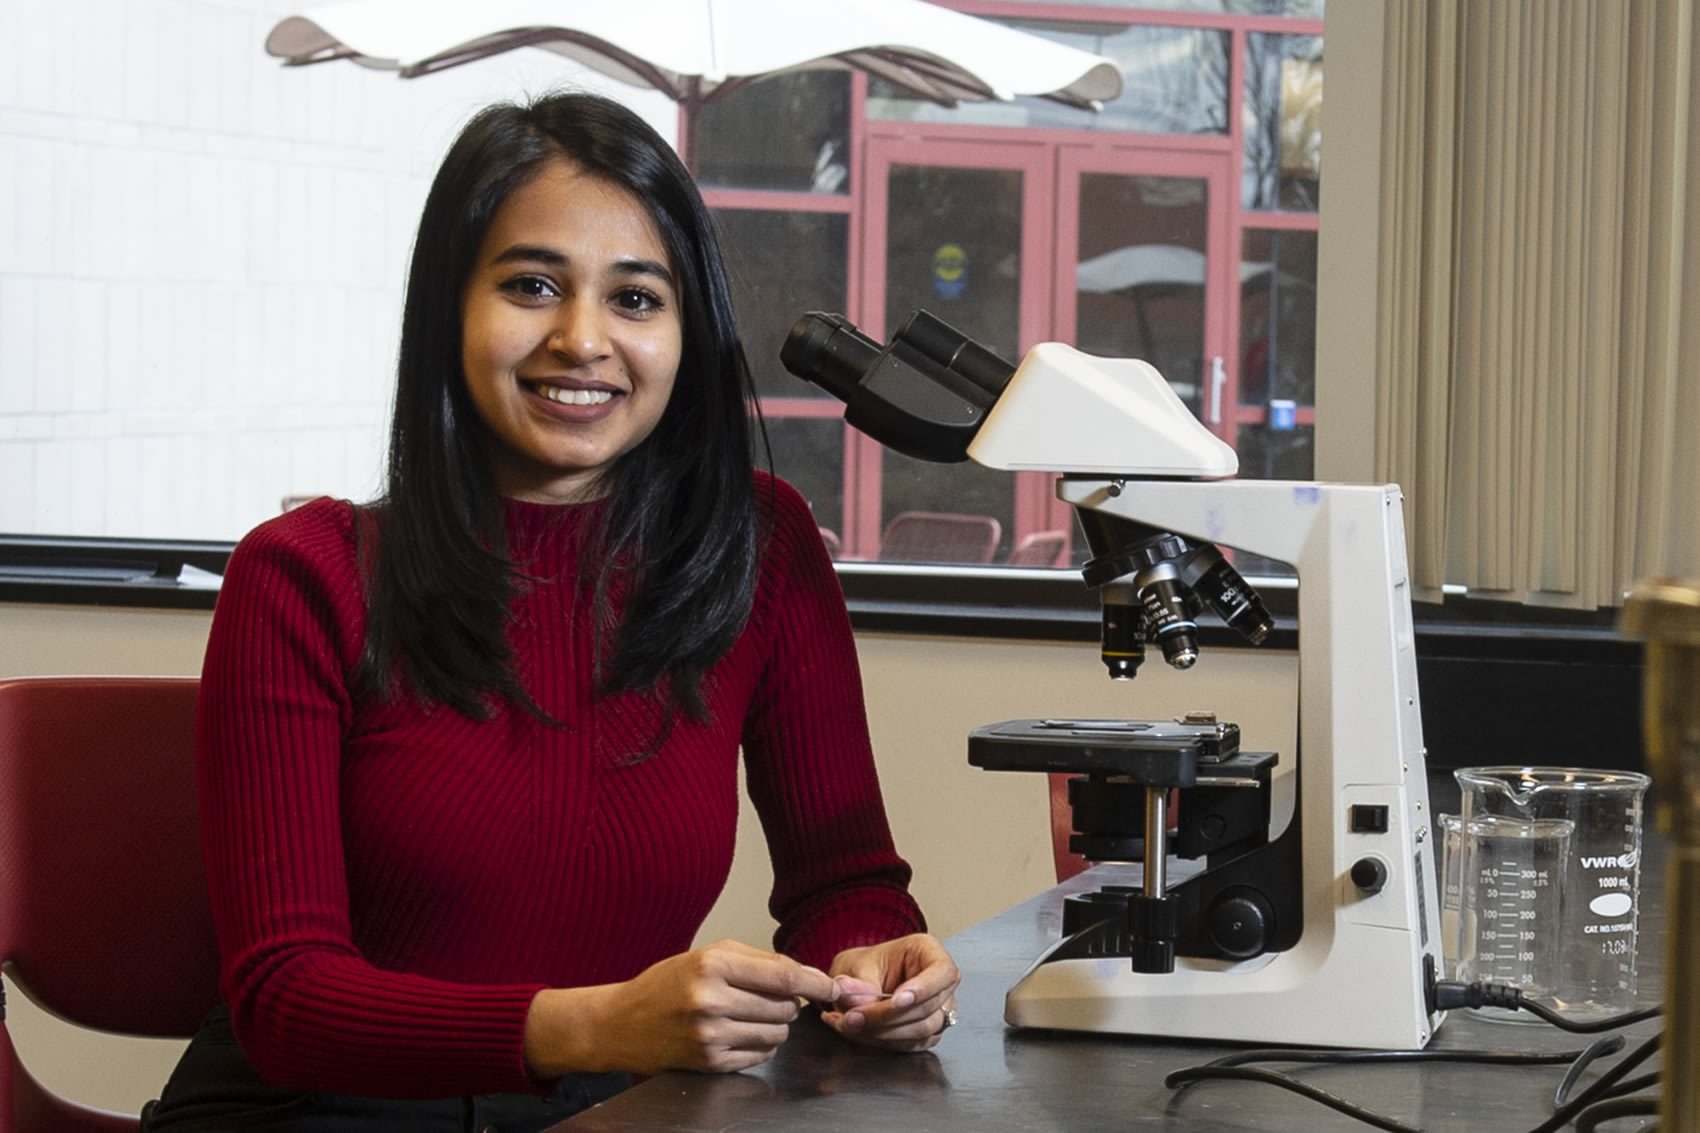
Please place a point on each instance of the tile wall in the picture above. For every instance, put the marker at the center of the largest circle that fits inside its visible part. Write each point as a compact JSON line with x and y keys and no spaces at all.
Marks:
{"x":202,"y":255}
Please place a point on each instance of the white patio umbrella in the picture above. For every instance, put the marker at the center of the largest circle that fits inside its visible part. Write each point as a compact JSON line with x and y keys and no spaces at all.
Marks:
{"x":698,"y":50}
{"x":1150,"y":265}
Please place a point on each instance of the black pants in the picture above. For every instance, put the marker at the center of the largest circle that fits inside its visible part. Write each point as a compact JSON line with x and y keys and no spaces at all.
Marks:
{"x":215,"y":1088}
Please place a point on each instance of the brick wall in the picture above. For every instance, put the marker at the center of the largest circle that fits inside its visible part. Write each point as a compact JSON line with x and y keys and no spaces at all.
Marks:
{"x":202,"y":256}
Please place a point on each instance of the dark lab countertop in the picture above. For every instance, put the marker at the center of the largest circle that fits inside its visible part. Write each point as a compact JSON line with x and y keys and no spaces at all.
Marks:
{"x":986,"y":1077}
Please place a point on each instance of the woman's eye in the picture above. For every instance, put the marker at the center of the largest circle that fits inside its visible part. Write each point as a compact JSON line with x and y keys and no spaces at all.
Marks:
{"x":637,"y":300}
{"x":529,"y":286}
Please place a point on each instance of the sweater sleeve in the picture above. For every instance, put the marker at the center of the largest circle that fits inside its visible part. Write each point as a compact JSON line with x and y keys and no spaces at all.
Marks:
{"x":309,"y":1011}
{"x":838,"y":881}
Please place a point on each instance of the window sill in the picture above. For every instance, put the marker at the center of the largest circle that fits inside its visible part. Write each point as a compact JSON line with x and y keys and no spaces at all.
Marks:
{"x":1500,"y":683}
{"x":111,"y":572}
{"x":921,"y":600}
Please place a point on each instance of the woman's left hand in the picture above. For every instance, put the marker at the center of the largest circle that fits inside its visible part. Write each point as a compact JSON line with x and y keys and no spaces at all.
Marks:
{"x":921,"y":979}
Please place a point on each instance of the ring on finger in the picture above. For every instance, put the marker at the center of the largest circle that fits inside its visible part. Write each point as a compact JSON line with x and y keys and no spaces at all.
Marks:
{"x":949,"y":1019}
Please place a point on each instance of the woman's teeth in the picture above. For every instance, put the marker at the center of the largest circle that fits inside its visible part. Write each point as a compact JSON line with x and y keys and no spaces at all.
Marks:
{"x":575,"y":396}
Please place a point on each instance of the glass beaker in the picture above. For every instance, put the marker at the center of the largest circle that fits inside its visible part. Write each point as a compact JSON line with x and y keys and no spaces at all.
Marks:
{"x":1503,"y":903}
{"x":1597,"y":915}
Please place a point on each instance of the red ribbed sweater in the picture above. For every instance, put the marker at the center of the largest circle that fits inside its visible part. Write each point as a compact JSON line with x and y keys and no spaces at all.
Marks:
{"x":392,"y":885}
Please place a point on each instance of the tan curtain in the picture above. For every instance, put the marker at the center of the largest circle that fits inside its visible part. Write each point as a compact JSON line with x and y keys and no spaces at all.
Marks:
{"x":1537,"y":280}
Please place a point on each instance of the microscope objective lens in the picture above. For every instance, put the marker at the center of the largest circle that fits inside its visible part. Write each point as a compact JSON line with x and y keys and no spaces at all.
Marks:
{"x":1123,"y":636}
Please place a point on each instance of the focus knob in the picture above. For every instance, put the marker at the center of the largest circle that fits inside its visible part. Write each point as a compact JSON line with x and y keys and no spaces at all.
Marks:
{"x":1240,"y":924}
{"x":1369,"y":874}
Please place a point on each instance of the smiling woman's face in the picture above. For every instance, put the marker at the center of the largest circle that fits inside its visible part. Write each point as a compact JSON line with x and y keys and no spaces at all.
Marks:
{"x":570,"y":333}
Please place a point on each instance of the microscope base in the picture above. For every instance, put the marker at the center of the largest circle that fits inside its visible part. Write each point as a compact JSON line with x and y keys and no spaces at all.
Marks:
{"x":1365,"y":989}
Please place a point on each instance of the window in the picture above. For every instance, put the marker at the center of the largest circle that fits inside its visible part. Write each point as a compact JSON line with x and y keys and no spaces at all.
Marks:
{"x":1171,"y":226}
{"x":201,"y":273}
{"x":802,"y":144}
{"x":202,"y":257}
{"x":782,"y":263}
{"x":1282,"y":113}
{"x":1175,"y":81}
{"x":1277,"y":388}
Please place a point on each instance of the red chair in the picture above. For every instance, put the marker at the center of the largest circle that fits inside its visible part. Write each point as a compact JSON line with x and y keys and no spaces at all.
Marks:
{"x":940,"y":537}
{"x":104,"y":918}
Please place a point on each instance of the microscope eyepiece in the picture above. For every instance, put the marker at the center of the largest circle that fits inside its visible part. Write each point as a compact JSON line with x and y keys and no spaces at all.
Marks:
{"x":925,"y":394}
{"x":829,"y":351}
{"x":954,"y":351}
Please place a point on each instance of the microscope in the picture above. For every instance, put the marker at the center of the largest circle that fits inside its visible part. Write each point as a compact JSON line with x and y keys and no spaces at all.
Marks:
{"x":1325,"y":932}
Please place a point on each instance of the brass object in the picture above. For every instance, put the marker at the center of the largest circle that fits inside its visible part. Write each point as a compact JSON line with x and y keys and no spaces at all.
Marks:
{"x":1665,"y":613}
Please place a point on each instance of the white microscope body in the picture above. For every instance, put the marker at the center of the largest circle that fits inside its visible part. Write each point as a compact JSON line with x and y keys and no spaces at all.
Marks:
{"x":1325,"y":932}
{"x":1358,"y":974}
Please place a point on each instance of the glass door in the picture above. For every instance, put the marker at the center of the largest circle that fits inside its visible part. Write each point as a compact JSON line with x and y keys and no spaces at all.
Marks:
{"x":1142,"y":243}
{"x":960,"y":229}
{"x":1122,"y":252}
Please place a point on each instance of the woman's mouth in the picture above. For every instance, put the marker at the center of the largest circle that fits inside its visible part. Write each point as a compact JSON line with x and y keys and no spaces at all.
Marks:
{"x":574,"y":396}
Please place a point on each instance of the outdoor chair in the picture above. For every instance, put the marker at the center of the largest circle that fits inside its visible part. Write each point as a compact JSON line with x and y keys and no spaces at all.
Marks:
{"x":940,"y":537}
{"x":1040,"y":549}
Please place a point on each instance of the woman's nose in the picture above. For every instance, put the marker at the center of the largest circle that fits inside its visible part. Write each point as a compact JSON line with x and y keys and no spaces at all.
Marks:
{"x":578,"y":334}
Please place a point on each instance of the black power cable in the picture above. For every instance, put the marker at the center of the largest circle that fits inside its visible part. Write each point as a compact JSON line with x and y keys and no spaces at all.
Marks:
{"x":1287,"y":1082}
{"x":1233,"y":1066}
{"x":1594,"y":1116}
{"x":1491,"y":1057}
{"x":1586,"y":1058}
{"x":1598,"y":1092}
{"x":1598,"y":1049}
{"x":1450,"y":994}
{"x":1599,"y":1102}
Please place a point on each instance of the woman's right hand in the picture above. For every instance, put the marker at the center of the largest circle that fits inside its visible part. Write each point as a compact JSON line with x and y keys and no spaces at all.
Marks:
{"x":723,"y":1008}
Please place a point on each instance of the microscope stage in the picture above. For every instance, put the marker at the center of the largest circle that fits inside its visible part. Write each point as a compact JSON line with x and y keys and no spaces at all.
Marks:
{"x":1158,"y":752}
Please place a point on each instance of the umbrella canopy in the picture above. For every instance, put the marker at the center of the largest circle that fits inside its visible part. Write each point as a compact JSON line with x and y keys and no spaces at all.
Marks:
{"x":696,"y":50}
{"x":1148,"y":265}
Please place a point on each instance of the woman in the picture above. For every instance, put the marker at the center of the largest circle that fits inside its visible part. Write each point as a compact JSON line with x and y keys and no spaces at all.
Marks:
{"x":468,"y":757}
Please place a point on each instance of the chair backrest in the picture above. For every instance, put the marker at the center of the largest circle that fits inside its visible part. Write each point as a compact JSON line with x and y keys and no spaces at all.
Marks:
{"x":104,"y":917}
{"x":940,"y":537}
{"x":1040,"y":549}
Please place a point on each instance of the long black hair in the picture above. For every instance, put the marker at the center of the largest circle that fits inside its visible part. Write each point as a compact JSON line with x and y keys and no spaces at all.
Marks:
{"x":681,"y":515}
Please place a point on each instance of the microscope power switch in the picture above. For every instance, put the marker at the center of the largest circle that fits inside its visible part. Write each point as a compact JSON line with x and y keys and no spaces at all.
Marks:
{"x":1366,"y":818}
